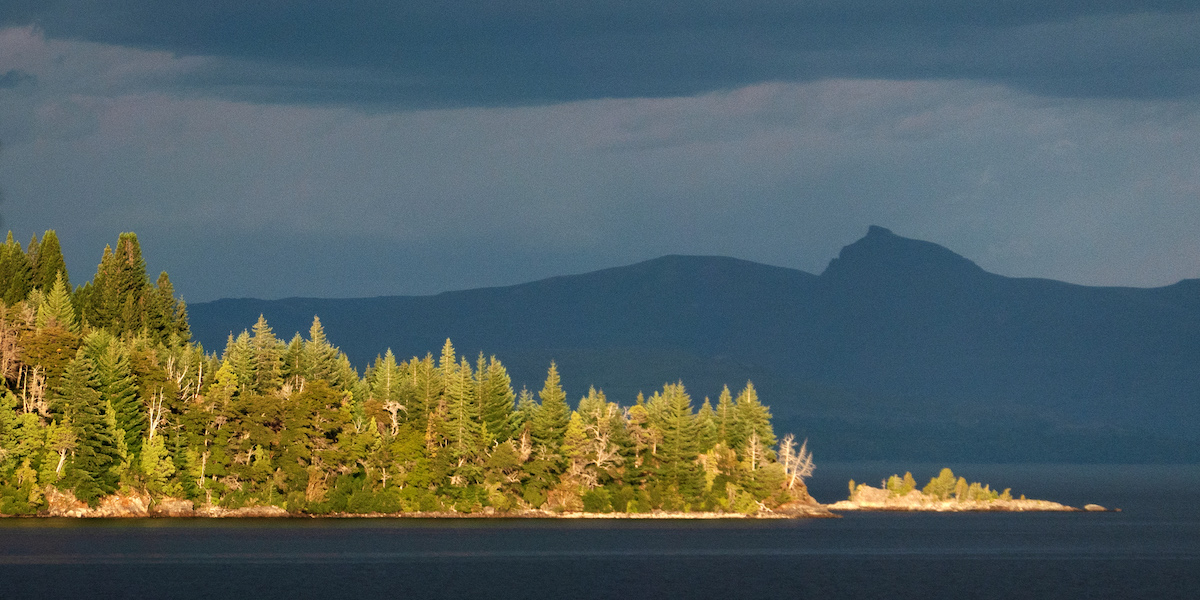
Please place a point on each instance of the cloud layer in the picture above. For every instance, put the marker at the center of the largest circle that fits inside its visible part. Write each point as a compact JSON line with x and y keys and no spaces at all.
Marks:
{"x":289,"y":160}
{"x":484,"y":53}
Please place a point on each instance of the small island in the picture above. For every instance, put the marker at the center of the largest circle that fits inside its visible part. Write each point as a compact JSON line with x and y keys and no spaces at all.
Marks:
{"x":944,"y":493}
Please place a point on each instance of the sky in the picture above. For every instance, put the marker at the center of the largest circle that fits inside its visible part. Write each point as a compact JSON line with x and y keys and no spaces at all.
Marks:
{"x":311,"y":148}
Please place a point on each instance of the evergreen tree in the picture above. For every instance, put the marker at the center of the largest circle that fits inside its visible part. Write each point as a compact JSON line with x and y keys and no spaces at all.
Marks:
{"x":92,"y":472}
{"x":16,"y":276}
{"x":706,"y":427}
{"x":116,"y":298}
{"x":426,"y":385}
{"x":266,"y":357}
{"x":163,"y":313}
{"x":239,"y":355}
{"x":754,"y":418}
{"x":522,"y":418}
{"x":56,"y":307}
{"x":672,"y":416}
{"x":550,"y":421}
{"x":46,"y":262}
{"x":386,"y":390}
{"x":496,"y":398}
{"x":293,"y":359}
{"x":729,"y":427}
{"x":117,"y":386}
{"x":463,"y":422}
{"x":319,"y":359}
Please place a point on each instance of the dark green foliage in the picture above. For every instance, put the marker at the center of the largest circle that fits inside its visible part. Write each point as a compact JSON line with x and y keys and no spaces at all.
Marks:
{"x":549,"y":423}
{"x":496,"y":398}
{"x":165,"y":317}
{"x":116,"y":300}
{"x":266,"y":358}
{"x":93,"y":472}
{"x":56,"y":308}
{"x":117,"y":386}
{"x":753,"y":418}
{"x":133,"y":405}
{"x":16,"y":274}
{"x":46,"y":262}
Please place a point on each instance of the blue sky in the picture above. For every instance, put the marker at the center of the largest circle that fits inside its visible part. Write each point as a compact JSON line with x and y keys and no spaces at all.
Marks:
{"x":274,"y":149}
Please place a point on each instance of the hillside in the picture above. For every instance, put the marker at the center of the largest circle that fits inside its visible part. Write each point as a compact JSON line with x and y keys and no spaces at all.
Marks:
{"x":899,"y":349}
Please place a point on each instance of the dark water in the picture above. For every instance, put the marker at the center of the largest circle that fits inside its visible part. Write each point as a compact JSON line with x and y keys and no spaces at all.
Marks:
{"x":1149,"y":550}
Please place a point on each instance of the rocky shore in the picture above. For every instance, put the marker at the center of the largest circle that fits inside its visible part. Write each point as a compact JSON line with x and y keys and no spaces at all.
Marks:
{"x":60,"y":504}
{"x":867,"y":498}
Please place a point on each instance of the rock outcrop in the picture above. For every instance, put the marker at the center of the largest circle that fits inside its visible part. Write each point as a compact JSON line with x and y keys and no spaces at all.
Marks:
{"x":136,"y":505}
{"x":877,"y":499}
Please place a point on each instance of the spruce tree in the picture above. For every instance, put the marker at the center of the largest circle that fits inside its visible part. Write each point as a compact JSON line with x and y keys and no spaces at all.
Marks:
{"x":16,"y":276}
{"x":385,"y":389}
{"x":319,"y":359}
{"x":117,"y":386}
{"x":754,"y":418}
{"x":522,"y":417}
{"x":46,"y":261}
{"x":240,"y":357}
{"x":497,"y":398}
{"x":117,"y":297}
{"x":550,"y":421}
{"x":729,"y":427}
{"x":92,"y":471}
{"x":267,"y":357}
{"x":163,"y":313}
{"x":463,"y":422}
{"x":706,"y":427}
{"x":56,"y":307}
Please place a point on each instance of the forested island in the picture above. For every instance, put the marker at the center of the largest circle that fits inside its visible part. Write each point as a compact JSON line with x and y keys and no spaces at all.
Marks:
{"x":108,"y":408}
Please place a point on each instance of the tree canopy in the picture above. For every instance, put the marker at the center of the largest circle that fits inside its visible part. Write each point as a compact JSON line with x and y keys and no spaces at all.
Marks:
{"x":102,"y":392}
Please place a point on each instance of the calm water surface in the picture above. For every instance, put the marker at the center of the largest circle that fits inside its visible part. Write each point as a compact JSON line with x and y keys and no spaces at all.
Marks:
{"x":1149,"y":550}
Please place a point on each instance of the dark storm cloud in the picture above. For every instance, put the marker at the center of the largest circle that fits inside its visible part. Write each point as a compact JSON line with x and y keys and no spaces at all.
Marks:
{"x":15,"y":77}
{"x":482,"y":52}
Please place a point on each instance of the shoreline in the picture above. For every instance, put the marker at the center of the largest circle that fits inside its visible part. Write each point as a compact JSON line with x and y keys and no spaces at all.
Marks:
{"x":143,"y":507}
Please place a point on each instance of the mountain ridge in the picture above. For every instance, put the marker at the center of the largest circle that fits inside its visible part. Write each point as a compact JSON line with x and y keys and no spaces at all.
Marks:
{"x":896,"y":339}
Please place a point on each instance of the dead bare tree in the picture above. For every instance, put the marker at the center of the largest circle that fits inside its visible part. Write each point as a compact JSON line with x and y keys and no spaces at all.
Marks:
{"x":798,"y":464}
{"x":32,"y":385}
{"x":393,"y":408}
{"x":155,"y":410}
{"x":9,"y":349}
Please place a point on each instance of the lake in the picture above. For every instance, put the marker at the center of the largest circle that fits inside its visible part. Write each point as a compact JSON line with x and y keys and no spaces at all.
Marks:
{"x":1151,"y":549}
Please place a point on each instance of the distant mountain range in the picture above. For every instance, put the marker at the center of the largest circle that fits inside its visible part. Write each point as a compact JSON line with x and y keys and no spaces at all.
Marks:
{"x":900,"y":349}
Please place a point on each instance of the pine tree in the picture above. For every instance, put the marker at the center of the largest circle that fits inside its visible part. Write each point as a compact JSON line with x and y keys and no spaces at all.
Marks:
{"x":755,"y":419}
{"x":46,"y":262}
{"x":463,"y":423}
{"x":522,"y":417}
{"x":267,"y":357}
{"x":163,"y":313}
{"x":117,"y":297}
{"x":550,"y":421}
{"x":319,"y":359}
{"x":706,"y":427}
{"x":496,"y":398}
{"x":240,"y":357}
{"x":92,"y":471}
{"x":56,"y":307}
{"x":16,"y":276}
{"x":385,"y":389}
{"x":426,"y":387}
{"x":117,"y":386}
{"x":729,"y":427}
